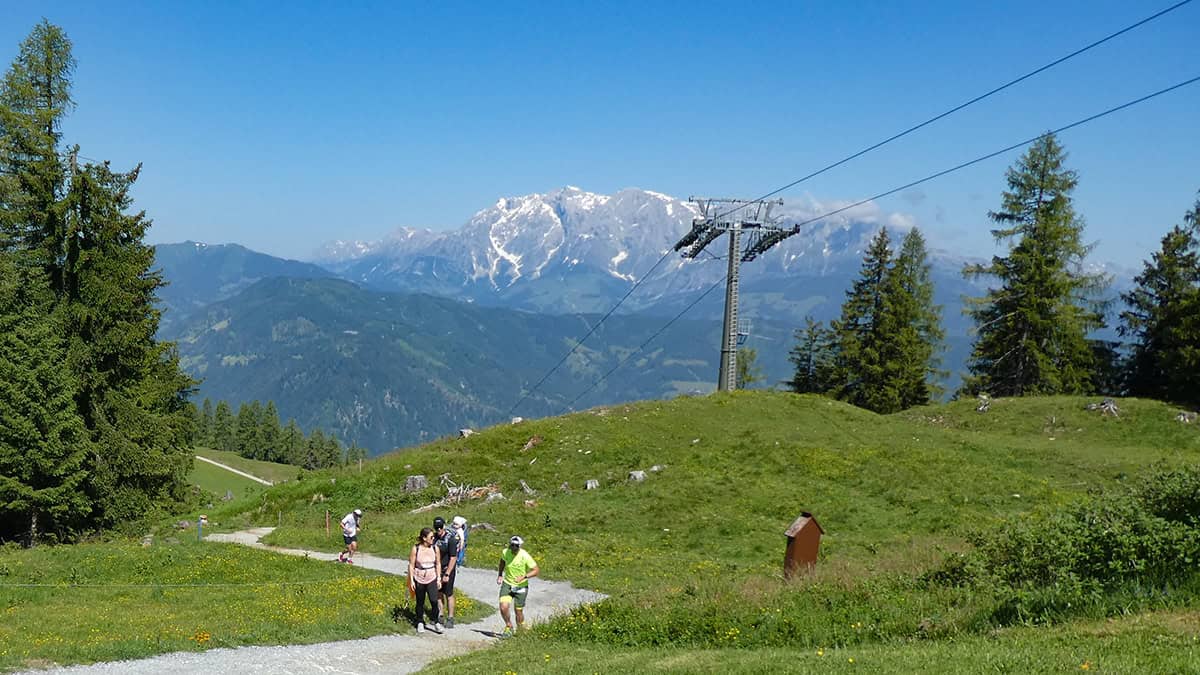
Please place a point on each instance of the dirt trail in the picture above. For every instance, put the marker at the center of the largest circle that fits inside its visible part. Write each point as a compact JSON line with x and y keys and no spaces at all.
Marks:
{"x":405,"y":653}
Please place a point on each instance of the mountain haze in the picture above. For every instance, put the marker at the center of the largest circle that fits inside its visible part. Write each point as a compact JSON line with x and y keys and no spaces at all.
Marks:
{"x":198,"y":274}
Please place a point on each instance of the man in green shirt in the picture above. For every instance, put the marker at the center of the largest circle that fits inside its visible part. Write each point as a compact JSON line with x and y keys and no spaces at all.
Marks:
{"x":517,"y":567}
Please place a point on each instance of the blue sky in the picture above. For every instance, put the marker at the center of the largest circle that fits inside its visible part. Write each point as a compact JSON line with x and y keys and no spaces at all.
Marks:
{"x":282,"y":128}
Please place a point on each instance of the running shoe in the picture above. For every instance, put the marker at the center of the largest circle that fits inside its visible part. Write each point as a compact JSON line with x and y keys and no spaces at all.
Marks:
{"x":420,"y":628}
{"x":449,"y":622}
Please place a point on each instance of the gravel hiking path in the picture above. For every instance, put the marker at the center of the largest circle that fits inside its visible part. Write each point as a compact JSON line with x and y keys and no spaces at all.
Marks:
{"x":402,"y":653}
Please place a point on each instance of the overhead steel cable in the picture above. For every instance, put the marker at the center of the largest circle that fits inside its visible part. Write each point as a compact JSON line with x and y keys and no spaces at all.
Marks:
{"x":926,"y":179}
{"x":641,"y":346}
{"x":973,"y":101}
{"x":580,"y":341}
{"x":860,"y":153}
{"x":990,"y":155}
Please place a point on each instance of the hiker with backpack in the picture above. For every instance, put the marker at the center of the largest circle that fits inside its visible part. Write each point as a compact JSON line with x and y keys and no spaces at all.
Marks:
{"x":424,"y":579}
{"x":448,"y":545}
{"x":459,"y":524}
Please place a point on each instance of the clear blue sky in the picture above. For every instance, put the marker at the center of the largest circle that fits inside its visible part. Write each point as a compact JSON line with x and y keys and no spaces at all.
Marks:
{"x":282,"y":127}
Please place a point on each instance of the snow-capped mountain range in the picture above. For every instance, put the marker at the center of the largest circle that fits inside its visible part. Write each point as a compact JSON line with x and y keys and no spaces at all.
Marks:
{"x":575,"y":251}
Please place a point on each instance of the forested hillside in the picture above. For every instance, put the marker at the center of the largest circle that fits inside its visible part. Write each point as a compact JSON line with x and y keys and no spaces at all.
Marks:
{"x":385,"y":370}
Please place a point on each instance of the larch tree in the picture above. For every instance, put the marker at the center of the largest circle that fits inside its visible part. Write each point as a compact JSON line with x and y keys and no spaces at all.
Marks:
{"x":748,"y":370}
{"x":1032,"y":326}
{"x":914,"y":323}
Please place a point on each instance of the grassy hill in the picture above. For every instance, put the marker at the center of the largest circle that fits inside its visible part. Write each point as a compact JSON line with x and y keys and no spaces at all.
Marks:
{"x":692,"y":555}
{"x":218,"y":481}
{"x":1011,"y":541}
{"x":269,"y":471}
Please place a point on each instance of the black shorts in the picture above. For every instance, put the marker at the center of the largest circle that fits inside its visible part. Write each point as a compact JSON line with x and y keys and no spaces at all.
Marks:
{"x":448,"y":584}
{"x":349,"y":540}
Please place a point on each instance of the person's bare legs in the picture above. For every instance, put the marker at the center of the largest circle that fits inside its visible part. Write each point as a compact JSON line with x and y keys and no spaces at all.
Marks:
{"x":504,"y":603}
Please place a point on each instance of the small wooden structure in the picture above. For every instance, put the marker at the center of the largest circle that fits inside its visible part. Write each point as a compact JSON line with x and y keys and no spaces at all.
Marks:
{"x":803,"y":543}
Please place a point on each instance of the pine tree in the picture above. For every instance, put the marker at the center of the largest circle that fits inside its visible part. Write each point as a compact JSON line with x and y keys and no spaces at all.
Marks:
{"x":43,"y":443}
{"x":206,"y":424}
{"x":1164,"y":319}
{"x":269,"y":433}
{"x":35,"y":98}
{"x":355,"y":454}
{"x":74,"y":224}
{"x":224,"y":429}
{"x":914,"y":323}
{"x":863,"y":361}
{"x":333,"y":455}
{"x":246,"y":442}
{"x":293,"y":444}
{"x":813,"y":359}
{"x":1032,"y":330}
{"x":314,"y":457}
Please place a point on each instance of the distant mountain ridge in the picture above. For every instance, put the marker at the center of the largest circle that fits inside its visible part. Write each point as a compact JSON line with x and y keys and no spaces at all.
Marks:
{"x":386,"y":370}
{"x":575,"y":251}
{"x":198,"y":274}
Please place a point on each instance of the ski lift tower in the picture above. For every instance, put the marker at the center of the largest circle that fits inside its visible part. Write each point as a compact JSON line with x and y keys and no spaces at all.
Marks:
{"x":717,"y":216}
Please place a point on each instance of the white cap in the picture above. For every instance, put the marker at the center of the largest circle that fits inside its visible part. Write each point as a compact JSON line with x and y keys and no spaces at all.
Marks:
{"x":459,"y":521}
{"x":358,"y":512}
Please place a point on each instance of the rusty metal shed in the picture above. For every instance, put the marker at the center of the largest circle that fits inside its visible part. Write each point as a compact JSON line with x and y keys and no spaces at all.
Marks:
{"x":803,"y":544}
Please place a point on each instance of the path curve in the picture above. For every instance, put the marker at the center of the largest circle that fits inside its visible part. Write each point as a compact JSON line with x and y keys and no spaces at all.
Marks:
{"x":230,"y":468}
{"x":401,"y":653}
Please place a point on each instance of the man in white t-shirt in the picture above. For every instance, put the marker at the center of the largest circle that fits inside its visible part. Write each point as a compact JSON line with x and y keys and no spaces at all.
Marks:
{"x":350,"y":528}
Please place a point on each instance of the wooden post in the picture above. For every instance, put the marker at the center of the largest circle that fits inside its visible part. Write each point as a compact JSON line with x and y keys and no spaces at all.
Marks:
{"x":326,"y":523}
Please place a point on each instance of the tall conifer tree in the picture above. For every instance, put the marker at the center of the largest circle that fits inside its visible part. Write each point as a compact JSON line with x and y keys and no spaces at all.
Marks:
{"x":269,"y":433}
{"x":43,"y":443}
{"x":206,"y":423}
{"x":73,"y":223}
{"x":915,"y":324}
{"x":812,"y":358}
{"x":224,"y":431}
{"x":1163,"y":318}
{"x":1032,"y":329}
{"x":862,"y":363}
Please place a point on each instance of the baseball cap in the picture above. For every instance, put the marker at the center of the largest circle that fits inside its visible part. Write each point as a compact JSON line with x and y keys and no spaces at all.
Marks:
{"x":516,"y":540}
{"x":439,"y":522}
{"x":358,"y":512}
{"x":459,"y":521}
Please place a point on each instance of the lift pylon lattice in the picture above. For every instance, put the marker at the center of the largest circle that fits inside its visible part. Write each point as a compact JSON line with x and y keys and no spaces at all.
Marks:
{"x":719,"y":215}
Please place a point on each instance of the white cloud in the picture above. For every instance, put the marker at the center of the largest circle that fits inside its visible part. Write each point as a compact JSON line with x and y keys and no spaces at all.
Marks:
{"x":902,"y":221}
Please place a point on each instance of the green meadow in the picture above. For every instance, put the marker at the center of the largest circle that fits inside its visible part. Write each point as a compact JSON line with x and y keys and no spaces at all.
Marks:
{"x":1036,"y":537}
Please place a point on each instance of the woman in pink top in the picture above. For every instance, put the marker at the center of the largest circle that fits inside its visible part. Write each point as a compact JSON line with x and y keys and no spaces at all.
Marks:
{"x":425,"y":578}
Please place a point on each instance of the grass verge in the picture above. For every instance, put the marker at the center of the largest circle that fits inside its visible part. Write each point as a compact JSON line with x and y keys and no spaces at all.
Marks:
{"x":111,"y":601}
